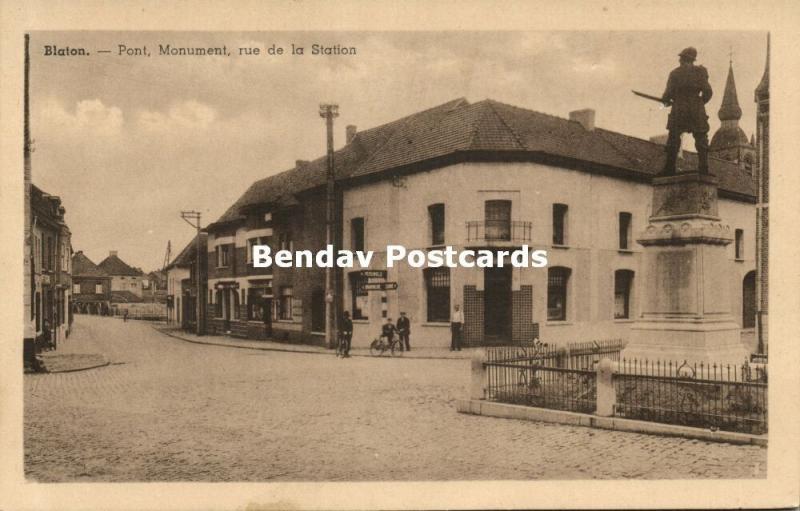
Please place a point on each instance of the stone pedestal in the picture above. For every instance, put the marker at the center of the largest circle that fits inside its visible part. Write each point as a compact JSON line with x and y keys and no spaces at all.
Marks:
{"x":686,"y":310}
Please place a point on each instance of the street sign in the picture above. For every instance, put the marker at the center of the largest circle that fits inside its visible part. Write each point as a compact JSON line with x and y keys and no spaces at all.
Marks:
{"x":379,"y":286}
{"x":373,"y":274}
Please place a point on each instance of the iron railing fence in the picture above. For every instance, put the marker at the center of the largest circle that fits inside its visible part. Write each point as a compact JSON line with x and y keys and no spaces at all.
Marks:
{"x":527,"y":382}
{"x":571,"y":356}
{"x":498,"y":230}
{"x":715,"y":396}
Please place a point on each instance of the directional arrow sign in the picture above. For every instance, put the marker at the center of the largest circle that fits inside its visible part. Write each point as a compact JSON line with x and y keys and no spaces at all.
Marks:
{"x":373,"y":274}
{"x":379,"y":286}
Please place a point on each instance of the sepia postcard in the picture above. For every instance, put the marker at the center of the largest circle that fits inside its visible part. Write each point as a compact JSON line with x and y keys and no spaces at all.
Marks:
{"x":374,"y":255}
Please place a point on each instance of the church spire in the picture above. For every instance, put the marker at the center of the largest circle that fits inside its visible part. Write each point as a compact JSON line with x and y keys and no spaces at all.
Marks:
{"x":730,"y":110}
{"x":762,"y":91}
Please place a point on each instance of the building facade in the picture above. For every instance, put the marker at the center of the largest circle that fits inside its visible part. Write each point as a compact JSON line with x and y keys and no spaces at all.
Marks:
{"x":482,"y":175}
{"x":51,"y":270}
{"x":91,"y":287}
{"x":127,"y":282}
{"x":182,"y":286}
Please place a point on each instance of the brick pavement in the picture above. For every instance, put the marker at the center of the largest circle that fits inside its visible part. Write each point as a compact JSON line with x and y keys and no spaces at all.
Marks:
{"x":167,"y":410}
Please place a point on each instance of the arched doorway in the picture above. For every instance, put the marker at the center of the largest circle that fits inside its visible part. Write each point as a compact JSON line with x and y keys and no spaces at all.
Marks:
{"x":749,"y":300}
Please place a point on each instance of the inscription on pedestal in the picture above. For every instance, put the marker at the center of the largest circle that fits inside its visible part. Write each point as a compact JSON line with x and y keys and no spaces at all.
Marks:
{"x":685,"y":194}
{"x":673,"y":292}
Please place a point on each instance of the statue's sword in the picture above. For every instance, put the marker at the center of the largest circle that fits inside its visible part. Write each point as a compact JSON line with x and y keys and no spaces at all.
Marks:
{"x":647,"y":96}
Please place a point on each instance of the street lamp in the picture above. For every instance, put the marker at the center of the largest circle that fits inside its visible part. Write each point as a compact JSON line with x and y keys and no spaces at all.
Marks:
{"x":329,"y":112}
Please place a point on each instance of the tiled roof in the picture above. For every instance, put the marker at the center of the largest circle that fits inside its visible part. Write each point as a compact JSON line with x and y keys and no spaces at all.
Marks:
{"x":487,"y":126}
{"x":189,"y":252}
{"x":113,"y":265}
{"x":82,"y":266}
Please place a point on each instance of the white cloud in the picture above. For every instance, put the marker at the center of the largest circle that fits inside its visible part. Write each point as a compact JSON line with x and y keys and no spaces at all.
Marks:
{"x":91,"y":116}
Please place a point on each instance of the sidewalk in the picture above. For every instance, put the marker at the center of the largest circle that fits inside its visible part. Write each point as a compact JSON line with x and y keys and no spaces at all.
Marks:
{"x":233,"y":342}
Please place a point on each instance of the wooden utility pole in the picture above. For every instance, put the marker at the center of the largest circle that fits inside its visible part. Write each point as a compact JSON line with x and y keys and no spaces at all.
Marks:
{"x":329,"y":112}
{"x":188,"y":216}
{"x":29,"y":334}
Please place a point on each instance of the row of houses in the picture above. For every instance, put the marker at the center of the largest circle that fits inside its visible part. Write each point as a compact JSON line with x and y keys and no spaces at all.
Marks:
{"x":470,"y":175}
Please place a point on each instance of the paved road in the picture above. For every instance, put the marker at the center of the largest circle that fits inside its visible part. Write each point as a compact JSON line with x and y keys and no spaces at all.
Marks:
{"x":171,"y":410}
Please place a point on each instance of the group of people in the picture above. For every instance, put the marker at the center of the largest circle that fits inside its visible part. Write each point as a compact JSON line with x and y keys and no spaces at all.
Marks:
{"x":403,"y":330}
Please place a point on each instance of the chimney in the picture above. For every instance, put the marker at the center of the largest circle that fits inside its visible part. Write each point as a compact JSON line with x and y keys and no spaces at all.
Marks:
{"x":585,"y":117}
{"x":300,"y":163}
{"x":350,"y":133}
{"x":112,"y":253}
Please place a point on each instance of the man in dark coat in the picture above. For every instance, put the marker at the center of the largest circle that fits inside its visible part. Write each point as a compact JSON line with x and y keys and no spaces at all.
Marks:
{"x":687,"y":92}
{"x":404,"y":331}
{"x":347,"y":333}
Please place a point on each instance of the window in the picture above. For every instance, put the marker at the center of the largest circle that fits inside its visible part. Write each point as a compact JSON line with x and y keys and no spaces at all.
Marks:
{"x":285,"y":303}
{"x":76,"y":289}
{"x":357,"y":234}
{"x":557,"y":280}
{"x":560,"y":224}
{"x":223,"y":256}
{"x":252,"y":242}
{"x":739,"y":244}
{"x":625,"y":230}
{"x":497,"y":214}
{"x":437,"y":289}
{"x":98,"y":288}
{"x":359,"y":297}
{"x":436,"y":214}
{"x":255,"y":303}
{"x":623,"y":280}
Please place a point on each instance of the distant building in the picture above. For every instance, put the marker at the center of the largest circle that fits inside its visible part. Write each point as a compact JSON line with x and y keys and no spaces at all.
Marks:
{"x":154,"y":287}
{"x":91,"y":286}
{"x":51,"y":269}
{"x":730,"y":141}
{"x":127,"y":282}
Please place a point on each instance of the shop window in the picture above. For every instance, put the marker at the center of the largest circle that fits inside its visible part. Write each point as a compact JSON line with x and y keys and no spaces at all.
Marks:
{"x":625,"y":221}
{"x":497,"y":215}
{"x":623,"y":284}
{"x":357,"y":234}
{"x":359,"y":298}
{"x":285,"y":303}
{"x":437,"y":290}
{"x":557,"y":286}
{"x":739,"y":244}
{"x":255,"y":303}
{"x":436,"y":214}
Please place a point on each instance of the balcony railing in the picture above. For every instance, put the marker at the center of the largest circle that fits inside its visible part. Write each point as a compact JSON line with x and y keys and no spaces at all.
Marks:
{"x":498,"y":231}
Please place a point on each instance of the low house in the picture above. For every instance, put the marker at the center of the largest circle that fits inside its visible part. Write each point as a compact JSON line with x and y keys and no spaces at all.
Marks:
{"x":91,"y":287}
{"x":127,"y":282}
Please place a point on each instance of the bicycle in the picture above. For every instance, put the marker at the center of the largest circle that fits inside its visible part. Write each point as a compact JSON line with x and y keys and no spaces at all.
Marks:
{"x":380,"y":345}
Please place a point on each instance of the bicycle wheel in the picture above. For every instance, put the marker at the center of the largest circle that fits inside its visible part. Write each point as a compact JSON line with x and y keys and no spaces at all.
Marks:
{"x":375,"y":348}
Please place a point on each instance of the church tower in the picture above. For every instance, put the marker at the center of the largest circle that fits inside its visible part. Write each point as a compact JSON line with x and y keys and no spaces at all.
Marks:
{"x":762,"y":205}
{"x":730,"y":142}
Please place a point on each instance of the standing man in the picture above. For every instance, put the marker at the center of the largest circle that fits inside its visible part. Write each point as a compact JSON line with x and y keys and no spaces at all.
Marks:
{"x":687,"y":92}
{"x":347,"y":333}
{"x":404,"y":331}
{"x":456,"y":321}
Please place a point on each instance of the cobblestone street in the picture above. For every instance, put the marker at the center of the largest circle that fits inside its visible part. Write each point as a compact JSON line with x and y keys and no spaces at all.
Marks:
{"x":170,"y":410}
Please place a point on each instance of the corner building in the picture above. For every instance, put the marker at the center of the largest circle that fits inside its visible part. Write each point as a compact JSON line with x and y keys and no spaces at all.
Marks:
{"x":481,"y":175}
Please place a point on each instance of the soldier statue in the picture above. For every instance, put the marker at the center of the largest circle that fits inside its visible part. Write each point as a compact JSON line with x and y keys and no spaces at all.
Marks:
{"x":687,"y":92}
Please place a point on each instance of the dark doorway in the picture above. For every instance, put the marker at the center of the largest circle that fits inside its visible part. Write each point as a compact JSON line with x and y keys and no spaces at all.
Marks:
{"x":318,"y":310}
{"x":266,"y":311}
{"x":226,"y":307}
{"x":497,"y":304}
{"x":749,"y":300}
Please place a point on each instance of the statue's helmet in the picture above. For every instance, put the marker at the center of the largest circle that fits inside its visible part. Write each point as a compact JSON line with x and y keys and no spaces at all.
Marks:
{"x":689,"y":53}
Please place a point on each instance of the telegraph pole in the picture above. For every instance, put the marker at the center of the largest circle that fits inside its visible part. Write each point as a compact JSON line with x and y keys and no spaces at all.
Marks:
{"x":329,"y":112}
{"x":188,"y":217}
{"x":29,"y":334}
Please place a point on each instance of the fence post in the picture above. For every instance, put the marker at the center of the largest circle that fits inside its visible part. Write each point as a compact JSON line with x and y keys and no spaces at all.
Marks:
{"x":606,"y":396}
{"x":479,"y":375}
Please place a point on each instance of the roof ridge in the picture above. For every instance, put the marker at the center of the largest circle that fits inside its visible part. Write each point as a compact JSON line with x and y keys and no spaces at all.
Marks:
{"x":403,"y":122}
{"x":514,"y":134}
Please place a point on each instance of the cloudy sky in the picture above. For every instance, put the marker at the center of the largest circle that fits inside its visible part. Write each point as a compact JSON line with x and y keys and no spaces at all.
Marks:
{"x":128,"y":142}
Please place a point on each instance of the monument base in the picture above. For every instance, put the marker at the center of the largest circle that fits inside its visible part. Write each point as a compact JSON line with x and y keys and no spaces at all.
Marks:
{"x":692,"y":340}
